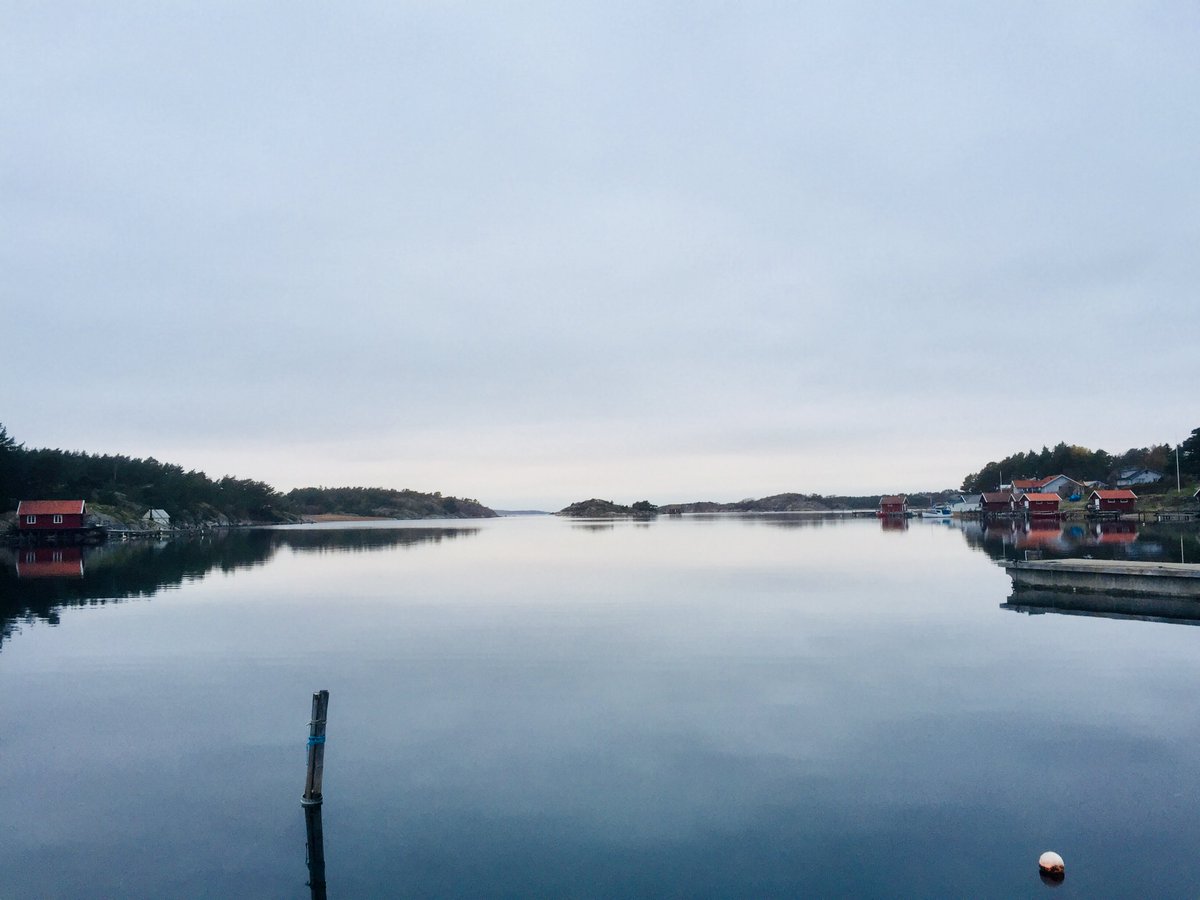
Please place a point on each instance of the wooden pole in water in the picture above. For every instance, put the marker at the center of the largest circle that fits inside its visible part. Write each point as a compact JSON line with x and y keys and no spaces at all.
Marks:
{"x":316,"y":750}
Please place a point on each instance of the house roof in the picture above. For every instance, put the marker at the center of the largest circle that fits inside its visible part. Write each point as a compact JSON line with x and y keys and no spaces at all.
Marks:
{"x":50,"y":508}
{"x":1042,"y":498}
{"x":1114,"y":495}
{"x":899,"y":499}
{"x":997,"y":497}
{"x":1026,"y":483}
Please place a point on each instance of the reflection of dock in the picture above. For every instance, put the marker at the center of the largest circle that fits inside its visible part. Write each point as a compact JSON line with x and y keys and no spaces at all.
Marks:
{"x":1108,"y":577}
{"x":1169,"y":610}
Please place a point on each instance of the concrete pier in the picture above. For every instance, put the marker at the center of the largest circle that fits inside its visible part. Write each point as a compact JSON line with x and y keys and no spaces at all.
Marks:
{"x":1104,"y":576}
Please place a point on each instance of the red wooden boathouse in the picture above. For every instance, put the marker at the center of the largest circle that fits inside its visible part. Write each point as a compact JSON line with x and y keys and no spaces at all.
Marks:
{"x":1040,"y":504}
{"x":1119,"y":501}
{"x":996,"y":502}
{"x":893,"y":506}
{"x":50,"y":515}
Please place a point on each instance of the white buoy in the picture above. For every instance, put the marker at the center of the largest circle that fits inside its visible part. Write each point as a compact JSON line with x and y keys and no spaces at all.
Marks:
{"x":1051,"y":864}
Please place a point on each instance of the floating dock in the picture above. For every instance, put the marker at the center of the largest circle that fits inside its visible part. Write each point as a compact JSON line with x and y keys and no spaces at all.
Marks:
{"x":1104,"y":576}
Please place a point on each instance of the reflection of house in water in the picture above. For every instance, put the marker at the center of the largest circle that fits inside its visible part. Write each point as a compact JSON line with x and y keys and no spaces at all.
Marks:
{"x":1114,"y":532}
{"x":1040,"y":534}
{"x":1168,"y":610}
{"x":893,"y":523}
{"x":50,"y":562}
{"x":1005,"y":538}
{"x":39,"y":582}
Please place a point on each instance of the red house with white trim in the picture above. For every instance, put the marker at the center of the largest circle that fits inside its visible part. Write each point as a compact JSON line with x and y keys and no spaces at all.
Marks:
{"x":893,"y":506}
{"x":50,"y":515}
{"x":1120,"y":501}
{"x":1040,"y":504}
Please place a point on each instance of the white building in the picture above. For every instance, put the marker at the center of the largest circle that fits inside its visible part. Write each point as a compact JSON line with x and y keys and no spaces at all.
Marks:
{"x":156,"y":518}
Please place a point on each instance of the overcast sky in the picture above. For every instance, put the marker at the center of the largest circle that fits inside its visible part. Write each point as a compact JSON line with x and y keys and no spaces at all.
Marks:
{"x":533,"y":253}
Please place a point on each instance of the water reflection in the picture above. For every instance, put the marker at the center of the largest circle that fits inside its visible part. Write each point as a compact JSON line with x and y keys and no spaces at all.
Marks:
{"x":1010,"y":539}
{"x":767,"y":520}
{"x":1169,"y":610}
{"x":49,"y":562}
{"x":314,"y":851}
{"x":37,"y":583}
{"x":693,"y":709}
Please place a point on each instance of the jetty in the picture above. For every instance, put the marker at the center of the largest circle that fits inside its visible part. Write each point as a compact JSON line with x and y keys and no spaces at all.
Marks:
{"x":1102,"y":576}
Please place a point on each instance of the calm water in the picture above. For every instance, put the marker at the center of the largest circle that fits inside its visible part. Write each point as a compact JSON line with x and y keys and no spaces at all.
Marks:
{"x":536,"y":707}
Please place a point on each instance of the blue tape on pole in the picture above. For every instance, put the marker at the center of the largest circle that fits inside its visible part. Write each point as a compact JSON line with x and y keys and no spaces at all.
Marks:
{"x":316,"y":739}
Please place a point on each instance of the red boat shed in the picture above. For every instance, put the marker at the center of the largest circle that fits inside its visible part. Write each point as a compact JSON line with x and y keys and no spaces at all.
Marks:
{"x":1040,"y":504}
{"x":1112,"y":501}
{"x":893,"y":506}
{"x":996,"y":502}
{"x":50,"y":515}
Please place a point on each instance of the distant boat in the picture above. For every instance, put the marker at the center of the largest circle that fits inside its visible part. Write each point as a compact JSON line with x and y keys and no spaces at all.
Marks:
{"x":936,"y":512}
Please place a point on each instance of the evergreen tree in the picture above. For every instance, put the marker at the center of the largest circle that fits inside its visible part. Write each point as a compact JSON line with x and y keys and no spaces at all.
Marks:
{"x":1189,"y":454}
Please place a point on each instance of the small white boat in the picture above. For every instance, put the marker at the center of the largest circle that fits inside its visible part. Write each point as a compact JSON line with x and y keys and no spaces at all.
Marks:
{"x":936,"y":512}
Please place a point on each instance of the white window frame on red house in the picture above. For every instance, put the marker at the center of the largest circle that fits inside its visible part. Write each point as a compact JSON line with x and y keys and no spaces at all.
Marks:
{"x":31,"y":520}
{"x":57,"y":519}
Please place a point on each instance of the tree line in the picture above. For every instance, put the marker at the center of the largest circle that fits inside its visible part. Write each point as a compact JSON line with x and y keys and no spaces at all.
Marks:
{"x":129,"y":486}
{"x":1084,"y":464}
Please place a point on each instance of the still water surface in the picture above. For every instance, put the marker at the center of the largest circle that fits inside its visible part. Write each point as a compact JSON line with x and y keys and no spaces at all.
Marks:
{"x":774,"y":706}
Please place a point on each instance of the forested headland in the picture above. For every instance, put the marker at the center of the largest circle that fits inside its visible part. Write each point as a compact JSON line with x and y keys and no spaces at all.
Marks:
{"x":125,"y":487}
{"x":1084,"y":464}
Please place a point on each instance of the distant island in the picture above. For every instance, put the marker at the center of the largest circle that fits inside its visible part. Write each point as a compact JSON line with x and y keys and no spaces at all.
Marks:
{"x":606,"y":509}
